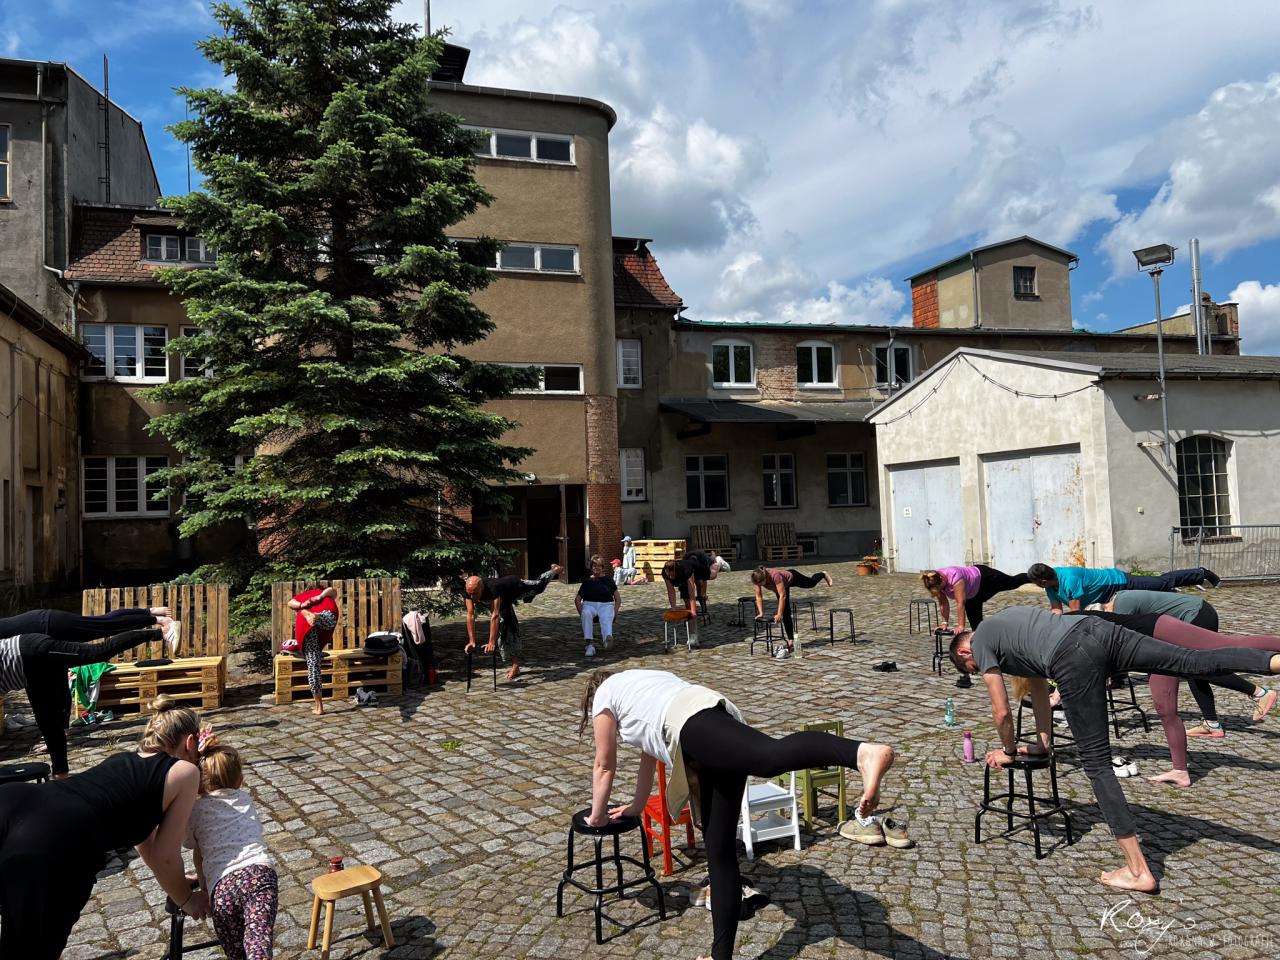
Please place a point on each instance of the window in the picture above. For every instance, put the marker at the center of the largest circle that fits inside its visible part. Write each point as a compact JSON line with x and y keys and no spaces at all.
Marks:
{"x":164,"y":247}
{"x":629,"y":370}
{"x":194,"y":366}
{"x":815,"y":365}
{"x":731,"y":365}
{"x":126,"y":352}
{"x":6,"y":133}
{"x":1024,"y":281}
{"x":1204,"y":499}
{"x":539,"y":257}
{"x":779,"y":481}
{"x":706,"y":482}
{"x":522,"y":145}
{"x":895,"y":359}
{"x":846,"y":480}
{"x":631,"y":473}
{"x":555,"y":378}
{"x":200,"y":252}
{"x":123,"y":487}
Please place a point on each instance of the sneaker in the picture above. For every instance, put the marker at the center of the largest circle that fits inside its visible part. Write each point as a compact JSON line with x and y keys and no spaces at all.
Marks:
{"x":782,"y":653}
{"x":1212,"y":578}
{"x":886,"y":666}
{"x":895,"y":834}
{"x":172,"y":631}
{"x":1262,"y":706}
{"x":591,"y":649}
{"x":752,"y":902}
{"x":1123,"y":767}
{"x":608,"y":640}
{"x":868,"y":832}
{"x":1202,"y":729}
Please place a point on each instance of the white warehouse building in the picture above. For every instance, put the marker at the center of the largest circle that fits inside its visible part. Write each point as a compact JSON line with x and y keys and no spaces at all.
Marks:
{"x":1009,"y":459}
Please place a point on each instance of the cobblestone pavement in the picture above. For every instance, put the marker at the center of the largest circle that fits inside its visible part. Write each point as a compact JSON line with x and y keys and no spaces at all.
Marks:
{"x":462,"y":801}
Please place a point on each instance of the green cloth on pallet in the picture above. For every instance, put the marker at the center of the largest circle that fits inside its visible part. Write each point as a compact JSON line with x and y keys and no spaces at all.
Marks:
{"x":84,"y":683}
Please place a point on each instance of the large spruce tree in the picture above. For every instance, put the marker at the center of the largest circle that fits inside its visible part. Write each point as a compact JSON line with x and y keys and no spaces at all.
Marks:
{"x":337,"y":419}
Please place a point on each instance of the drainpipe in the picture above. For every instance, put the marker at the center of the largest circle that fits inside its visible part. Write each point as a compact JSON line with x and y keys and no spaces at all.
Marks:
{"x":1197,"y":308}
{"x":44,"y":174}
{"x":977,"y":297}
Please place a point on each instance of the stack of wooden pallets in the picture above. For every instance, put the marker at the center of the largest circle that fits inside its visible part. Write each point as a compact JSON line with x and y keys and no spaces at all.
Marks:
{"x":652,"y":554}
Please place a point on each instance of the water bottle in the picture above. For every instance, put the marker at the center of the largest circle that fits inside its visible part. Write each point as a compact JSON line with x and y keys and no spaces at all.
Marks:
{"x":950,"y":718}
{"x":968,"y":747}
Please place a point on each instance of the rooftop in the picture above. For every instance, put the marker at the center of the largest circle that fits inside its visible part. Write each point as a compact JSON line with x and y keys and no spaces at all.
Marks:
{"x":996,"y":246}
{"x":637,"y":280}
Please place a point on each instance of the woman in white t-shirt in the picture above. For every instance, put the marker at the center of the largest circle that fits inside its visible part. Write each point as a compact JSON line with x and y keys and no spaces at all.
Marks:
{"x":709,"y":752}
{"x":232,"y":861}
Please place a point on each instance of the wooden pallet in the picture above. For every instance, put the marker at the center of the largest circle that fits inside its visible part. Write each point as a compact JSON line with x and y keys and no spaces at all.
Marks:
{"x":659,"y":549}
{"x":782,"y":551}
{"x":365,"y":607}
{"x":201,"y":609}
{"x":196,"y":682}
{"x":341,"y":672}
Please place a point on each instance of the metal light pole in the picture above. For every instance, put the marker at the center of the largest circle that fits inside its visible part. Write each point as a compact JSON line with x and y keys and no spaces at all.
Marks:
{"x":1152,"y":260}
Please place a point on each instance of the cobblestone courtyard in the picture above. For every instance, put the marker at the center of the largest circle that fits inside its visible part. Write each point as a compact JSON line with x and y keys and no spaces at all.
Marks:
{"x":462,"y":802}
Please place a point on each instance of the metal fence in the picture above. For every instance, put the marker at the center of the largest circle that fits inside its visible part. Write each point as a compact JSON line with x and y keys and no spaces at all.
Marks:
{"x":1248,"y":551}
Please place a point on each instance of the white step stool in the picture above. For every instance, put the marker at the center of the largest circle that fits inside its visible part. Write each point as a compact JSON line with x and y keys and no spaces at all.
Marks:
{"x":775,"y":802}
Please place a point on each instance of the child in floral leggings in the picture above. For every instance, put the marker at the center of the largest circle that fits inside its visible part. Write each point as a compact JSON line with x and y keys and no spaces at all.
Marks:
{"x":231,"y":857}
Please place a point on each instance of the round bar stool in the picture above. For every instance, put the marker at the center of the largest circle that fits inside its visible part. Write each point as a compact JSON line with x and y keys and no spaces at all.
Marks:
{"x":1003,"y":803}
{"x":329,"y":888}
{"x":798,"y":605}
{"x":614,"y":829}
{"x":922,"y":615}
{"x":831,"y":623}
{"x":747,"y":603}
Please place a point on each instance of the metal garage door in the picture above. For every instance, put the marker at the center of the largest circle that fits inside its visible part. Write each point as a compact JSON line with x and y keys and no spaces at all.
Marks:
{"x":1034,"y":512}
{"x":927,"y":524}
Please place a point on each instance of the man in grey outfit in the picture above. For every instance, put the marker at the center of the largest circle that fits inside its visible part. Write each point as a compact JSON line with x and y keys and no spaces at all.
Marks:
{"x":1079,"y":654}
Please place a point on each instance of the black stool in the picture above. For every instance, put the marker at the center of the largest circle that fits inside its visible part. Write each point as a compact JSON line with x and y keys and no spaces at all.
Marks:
{"x":614,"y":828}
{"x":177,"y":920}
{"x":749,"y":603}
{"x":1118,"y":708}
{"x":941,"y":651}
{"x":766,"y":626}
{"x":24,"y":773}
{"x":1061,"y":741}
{"x":831,"y":623}
{"x":1003,"y":802}
{"x":798,"y":605}
{"x":494,"y":665}
{"x":921,"y":609}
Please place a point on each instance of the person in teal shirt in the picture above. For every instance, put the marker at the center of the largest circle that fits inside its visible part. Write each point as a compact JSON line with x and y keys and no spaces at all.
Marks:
{"x":1076,"y":588}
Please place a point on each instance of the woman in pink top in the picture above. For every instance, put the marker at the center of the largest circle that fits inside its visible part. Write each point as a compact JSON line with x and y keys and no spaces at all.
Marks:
{"x":970,"y":588}
{"x":780,"y":582}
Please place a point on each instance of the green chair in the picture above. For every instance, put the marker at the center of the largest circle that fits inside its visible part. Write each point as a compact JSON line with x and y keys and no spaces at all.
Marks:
{"x":809,"y":782}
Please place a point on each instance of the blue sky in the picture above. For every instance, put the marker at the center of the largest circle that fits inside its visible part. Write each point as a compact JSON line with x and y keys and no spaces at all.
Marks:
{"x":796,"y":159}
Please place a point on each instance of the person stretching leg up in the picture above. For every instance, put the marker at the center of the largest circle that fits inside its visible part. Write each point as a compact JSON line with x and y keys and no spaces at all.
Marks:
{"x":1080,"y":653}
{"x":502,"y":594}
{"x":1078,"y":587}
{"x":780,"y":582}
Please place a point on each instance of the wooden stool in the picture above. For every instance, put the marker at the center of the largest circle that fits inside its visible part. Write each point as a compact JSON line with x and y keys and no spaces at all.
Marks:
{"x":671,"y":621}
{"x":332,"y":887}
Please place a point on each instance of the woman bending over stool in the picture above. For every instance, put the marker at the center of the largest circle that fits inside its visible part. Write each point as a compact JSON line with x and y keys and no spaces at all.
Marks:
{"x":54,"y":837}
{"x":970,"y":587}
{"x":779,"y":583}
{"x":40,"y":663}
{"x":709,"y":752}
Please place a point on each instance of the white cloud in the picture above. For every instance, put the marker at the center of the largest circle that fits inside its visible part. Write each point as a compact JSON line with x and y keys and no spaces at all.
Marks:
{"x":1259,"y":316}
{"x":1221,"y":179}
{"x":753,"y":288}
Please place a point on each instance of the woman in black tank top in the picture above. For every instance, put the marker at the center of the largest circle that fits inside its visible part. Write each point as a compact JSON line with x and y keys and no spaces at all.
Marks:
{"x":54,"y":837}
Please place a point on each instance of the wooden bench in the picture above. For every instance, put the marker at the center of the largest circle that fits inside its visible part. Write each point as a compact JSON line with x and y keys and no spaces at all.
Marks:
{"x":365,"y":607}
{"x":777,"y":541}
{"x":198,"y":677}
{"x":713,"y":537}
{"x":652,"y":554}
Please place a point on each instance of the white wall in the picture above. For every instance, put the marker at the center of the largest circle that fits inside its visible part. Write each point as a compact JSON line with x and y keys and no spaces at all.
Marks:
{"x":963,"y":416}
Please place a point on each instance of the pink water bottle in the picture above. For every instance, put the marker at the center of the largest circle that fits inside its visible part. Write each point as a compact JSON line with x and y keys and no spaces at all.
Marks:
{"x":968,"y":747}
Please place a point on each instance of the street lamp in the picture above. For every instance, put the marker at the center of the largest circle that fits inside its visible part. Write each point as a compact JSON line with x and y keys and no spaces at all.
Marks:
{"x":1152,"y":260}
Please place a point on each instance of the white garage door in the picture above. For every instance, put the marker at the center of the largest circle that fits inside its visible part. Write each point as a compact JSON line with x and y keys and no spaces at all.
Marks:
{"x":927,"y":526}
{"x":1034,"y":512}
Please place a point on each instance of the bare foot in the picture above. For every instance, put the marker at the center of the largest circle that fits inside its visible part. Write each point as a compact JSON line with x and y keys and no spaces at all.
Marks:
{"x":318,"y":710}
{"x":1179,"y":778}
{"x":827,"y":577}
{"x":1123,"y":879}
{"x":160,"y":612}
{"x":874,"y":760}
{"x":514,"y":671}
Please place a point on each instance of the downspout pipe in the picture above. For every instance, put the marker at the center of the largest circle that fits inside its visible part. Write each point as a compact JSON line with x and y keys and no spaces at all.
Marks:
{"x":977,"y":296}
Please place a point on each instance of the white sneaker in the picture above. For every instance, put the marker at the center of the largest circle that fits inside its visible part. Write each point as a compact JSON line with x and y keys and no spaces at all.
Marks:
{"x":608,"y":640}
{"x":591,"y":649}
{"x":171,"y":632}
{"x":782,"y":653}
{"x":1124,"y":768}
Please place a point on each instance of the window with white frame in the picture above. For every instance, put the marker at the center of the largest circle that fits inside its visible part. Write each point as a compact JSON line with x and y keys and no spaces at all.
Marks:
{"x":779,"y":481}
{"x":554,"y":377}
{"x":123,"y":487}
{"x":815,"y":364}
{"x":706,"y":482}
{"x":1204,"y":491}
{"x":893,"y":365}
{"x":630,"y":373}
{"x":164,"y":247}
{"x":538,"y":257}
{"x":199,"y":251}
{"x":732,"y":364}
{"x":846,"y":480}
{"x":194,"y":366}
{"x":524,"y":145}
{"x":126,"y":352}
{"x":6,"y":136}
{"x":631,"y":473}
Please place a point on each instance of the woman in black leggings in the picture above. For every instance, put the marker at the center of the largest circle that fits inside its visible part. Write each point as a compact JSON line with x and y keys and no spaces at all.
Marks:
{"x":970,"y":587}
{"x":40,"y":662}
{"x":779,"y":583}
{"x":709,"y":752}
{"x":74,"y":627}
{"x":54,"y":837}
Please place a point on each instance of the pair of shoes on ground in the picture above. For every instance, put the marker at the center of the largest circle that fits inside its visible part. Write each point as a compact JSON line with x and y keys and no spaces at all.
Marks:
{"x":964,"y":682}
{"x":876,"y":831}
{"x":782,"y":653}
{"x":607,"y":642}
{"x":886,"y":666}
{"x":365,"y":698}
{"x":1124,"y":767}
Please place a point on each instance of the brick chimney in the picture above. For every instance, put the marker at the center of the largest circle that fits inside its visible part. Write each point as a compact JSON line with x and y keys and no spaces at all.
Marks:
{"x":924,"y":301}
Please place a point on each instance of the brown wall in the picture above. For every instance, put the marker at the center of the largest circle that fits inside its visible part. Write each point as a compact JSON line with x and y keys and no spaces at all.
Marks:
{"x":1050,"y":309}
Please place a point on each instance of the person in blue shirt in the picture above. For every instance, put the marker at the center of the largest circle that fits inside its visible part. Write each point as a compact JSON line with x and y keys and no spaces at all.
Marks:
{"x":1076,"y":588}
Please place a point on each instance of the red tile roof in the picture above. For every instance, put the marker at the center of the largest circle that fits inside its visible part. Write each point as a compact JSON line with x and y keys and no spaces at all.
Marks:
{"x":637,"y":281}
{"x":107,"y":244}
